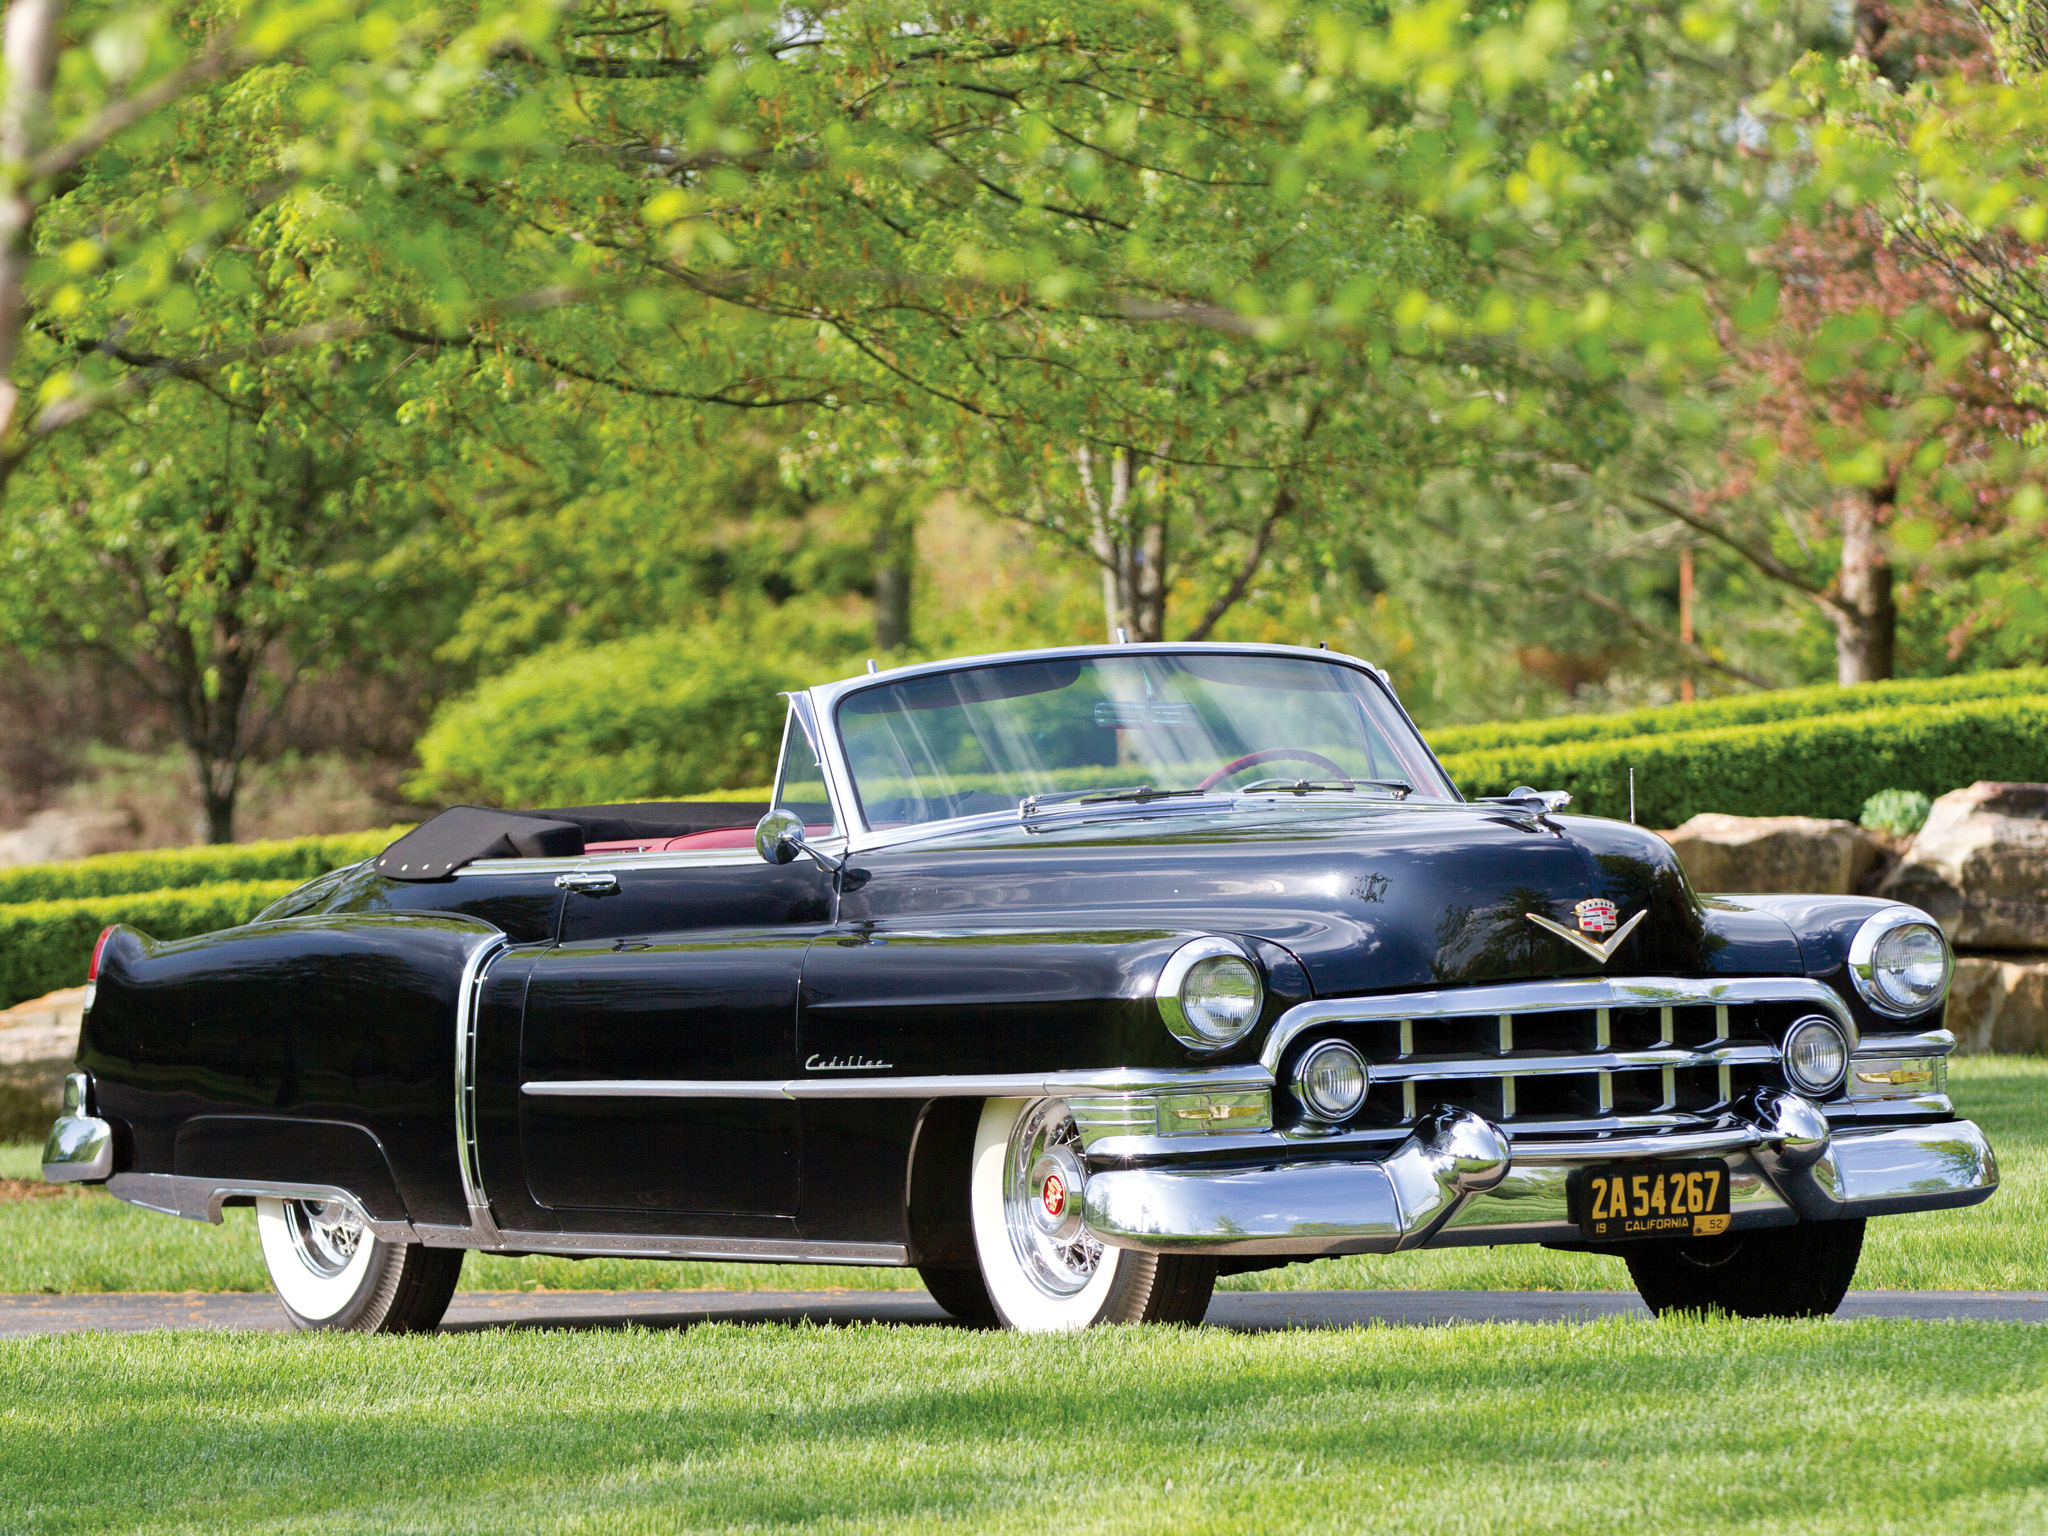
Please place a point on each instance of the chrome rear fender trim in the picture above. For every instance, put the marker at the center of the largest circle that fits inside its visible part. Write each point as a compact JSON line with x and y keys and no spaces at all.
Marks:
{"x":198,"y":1199}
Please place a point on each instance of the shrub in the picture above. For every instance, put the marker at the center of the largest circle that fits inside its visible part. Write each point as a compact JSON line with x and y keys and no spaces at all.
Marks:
{"x":1900,"y":812}
{"x":45,"y":945}
{"x":159,"y":869}
{"x":1817,"y":767}
{"x":654,"y":717}
{"x":1743,"y":709}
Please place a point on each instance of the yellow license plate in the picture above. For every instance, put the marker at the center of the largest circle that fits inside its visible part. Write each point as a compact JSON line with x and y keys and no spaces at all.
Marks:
{"x":1629,"y":1200}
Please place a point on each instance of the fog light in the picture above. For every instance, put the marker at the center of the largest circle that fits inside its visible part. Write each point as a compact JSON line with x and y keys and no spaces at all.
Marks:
{"x":1815,"y":1055}
{"x":1331,"y":1080}
{"x":1898,"y":1077}
{"x":1214,"y":1114}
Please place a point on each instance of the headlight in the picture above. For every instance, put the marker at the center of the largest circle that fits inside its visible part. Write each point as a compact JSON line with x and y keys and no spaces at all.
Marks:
{"x":1210,"y":994}
{"x":1900,"y":962}
{"x":1330,"y":1080}
{"x":1815,"y":1055}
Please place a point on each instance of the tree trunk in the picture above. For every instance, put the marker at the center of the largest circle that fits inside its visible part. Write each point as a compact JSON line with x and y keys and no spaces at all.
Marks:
{"x":1866,"y":623}
{"x":30,"y":48}
{"x":895,"y":566}
{"x":219,"y":786}
{"x":1128,"y":540}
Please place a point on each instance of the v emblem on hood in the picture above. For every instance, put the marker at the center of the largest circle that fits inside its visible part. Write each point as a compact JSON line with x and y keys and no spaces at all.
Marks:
{"x":1601,"y":952}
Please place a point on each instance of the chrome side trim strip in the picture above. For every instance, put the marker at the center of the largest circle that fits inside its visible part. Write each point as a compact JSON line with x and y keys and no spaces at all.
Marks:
{"x":198,"y":1199}
{"x":636,"y":1245}
{"x":989,"y":1085}
{"x":465,"y":1067}
{"x":1591,"y":992}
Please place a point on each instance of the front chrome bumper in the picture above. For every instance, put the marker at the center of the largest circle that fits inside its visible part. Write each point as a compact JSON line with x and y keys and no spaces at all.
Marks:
{"x":1459,"y":1181}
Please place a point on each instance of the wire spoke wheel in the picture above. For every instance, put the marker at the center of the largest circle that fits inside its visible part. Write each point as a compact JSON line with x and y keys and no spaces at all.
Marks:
{"x":332,"y":1271}
{"x":325,"y":1233}
{"x":1042,"y":1181}
{"x":1043,"y":1269}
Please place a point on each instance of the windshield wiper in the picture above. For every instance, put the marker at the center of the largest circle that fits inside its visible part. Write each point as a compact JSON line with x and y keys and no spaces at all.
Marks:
{"x":1400,"y":788}
{"x":1131,"y":794}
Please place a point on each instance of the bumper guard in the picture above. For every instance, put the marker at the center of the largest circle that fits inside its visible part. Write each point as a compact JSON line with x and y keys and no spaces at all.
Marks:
{"x":1459,"y":1181}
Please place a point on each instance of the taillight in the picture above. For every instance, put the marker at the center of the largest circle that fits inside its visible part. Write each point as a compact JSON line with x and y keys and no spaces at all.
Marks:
{"x":92,"y":971}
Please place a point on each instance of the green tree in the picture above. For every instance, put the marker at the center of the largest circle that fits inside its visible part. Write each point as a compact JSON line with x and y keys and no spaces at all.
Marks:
{"x":222,"y":544}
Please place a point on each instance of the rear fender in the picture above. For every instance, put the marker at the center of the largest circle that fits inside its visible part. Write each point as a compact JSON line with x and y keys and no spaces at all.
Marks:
{"x":218,"y":1056}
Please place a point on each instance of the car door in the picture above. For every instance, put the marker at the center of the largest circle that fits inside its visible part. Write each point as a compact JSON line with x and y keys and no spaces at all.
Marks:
{"x":655,"y":1034}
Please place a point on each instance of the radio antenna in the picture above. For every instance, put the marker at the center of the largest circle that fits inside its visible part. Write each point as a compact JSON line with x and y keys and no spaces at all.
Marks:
{"x":1631,"y":794}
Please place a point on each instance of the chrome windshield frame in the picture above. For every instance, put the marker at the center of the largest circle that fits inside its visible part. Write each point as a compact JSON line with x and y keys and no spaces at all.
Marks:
{"x":825,"y":699}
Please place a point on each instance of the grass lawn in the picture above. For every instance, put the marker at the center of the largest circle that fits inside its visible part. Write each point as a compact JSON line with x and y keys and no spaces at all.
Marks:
{"x":1619,"y":1426}
{"x":87,"y":1241}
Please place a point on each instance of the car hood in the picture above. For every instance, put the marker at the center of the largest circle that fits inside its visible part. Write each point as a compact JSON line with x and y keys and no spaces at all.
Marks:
{"x":1380,"y":898}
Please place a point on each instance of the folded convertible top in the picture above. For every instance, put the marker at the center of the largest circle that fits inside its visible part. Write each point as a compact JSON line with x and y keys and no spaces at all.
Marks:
{"x":439,"y":846}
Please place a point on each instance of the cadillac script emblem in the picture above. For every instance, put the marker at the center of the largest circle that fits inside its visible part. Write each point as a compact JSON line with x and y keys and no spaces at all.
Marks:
{"x":1596,"y":914}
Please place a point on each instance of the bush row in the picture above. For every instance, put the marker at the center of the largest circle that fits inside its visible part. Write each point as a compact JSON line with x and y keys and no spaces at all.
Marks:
{"x":1826,"y":766}
{"x":653,"y":717}
{"x":45,"y":945}
{"x":1743,"y":709}
{"x":162,"y":869}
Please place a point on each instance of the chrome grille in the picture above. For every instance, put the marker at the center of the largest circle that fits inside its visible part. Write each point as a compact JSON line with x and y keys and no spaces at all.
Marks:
{"x":1547,"y":1063}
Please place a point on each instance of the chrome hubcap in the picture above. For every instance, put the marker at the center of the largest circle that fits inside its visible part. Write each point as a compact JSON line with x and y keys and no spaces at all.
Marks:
{"x":325,"y":1234}
{"x":1043,"y":1180}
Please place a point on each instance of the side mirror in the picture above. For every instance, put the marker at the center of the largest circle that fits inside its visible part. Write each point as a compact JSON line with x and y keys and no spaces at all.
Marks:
{"x":779,"y":836}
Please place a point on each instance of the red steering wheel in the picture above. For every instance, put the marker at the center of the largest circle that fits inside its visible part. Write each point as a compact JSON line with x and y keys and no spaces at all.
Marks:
{"x":1271,"y":755}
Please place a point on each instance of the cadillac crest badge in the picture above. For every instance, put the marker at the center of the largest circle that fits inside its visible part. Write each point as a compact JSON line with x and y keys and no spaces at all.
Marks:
{"x":1596,"y":914}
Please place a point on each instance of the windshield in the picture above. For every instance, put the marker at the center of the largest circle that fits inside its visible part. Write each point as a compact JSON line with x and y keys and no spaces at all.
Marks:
{"x":985,"y":739}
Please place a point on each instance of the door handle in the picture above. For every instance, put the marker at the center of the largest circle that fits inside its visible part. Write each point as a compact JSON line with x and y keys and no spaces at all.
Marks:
{"x":588,"y":881}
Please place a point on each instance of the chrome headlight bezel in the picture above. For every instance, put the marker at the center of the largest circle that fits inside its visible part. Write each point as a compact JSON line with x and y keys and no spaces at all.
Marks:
{"x":1863,"y":971}
{"x":1177,"y":974}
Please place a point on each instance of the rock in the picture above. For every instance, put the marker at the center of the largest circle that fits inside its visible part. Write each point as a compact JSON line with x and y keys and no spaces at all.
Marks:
{"x":66,"y":834}
{"x":43,"y":1028}
{"x":38,"y":1040}
{"x":1999,"y":1003}
{"x":1799,"y":854}
{"x":1980,"y":867}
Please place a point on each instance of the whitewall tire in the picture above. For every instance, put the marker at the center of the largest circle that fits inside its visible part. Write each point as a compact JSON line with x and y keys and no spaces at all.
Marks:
{"x":1045,"y":1272}
{"x":330,"y":1271}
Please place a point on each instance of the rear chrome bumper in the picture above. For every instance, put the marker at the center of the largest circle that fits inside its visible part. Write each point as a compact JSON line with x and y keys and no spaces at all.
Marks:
{"x":1459,"y":1181}
{"x":81,"y":1147}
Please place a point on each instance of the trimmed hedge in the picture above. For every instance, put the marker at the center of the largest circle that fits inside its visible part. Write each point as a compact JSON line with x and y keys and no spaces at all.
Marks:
{"x":295,"y":859}
{"x":1817,"y":767}
{"x":651,"y":717}
{"x":45,"y":945}
{"x":1743,"y":709}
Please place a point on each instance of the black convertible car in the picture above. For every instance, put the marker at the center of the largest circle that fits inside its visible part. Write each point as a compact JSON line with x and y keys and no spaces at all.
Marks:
{"x":1074,"y":978}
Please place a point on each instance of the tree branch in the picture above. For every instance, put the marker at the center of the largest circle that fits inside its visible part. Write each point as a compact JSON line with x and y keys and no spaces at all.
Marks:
{"x":1692,"y":653}
{"x":1761,"y":558}
{"x":125,"y":113}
